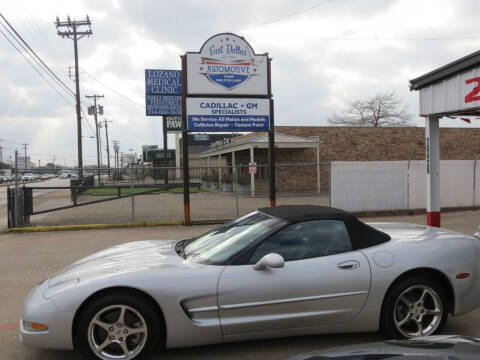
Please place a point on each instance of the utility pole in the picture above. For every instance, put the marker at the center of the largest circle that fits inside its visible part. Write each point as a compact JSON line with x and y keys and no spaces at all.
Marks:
{"x":94,"y":110}
{"x":116,"y":148}
{"x":108,"y":146}
{"x":25,"y":148}
{"x":72,"y":32}
{"x":1,"y":150}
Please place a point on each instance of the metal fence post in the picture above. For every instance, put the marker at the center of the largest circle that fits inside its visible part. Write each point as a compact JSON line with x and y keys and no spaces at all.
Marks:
{"x":16,"y":214}
{"x":132,"y":194}
{"x":236,"y":189}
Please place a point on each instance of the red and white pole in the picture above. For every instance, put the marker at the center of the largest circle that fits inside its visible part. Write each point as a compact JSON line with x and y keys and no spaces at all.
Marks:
{"x":432,"y":145}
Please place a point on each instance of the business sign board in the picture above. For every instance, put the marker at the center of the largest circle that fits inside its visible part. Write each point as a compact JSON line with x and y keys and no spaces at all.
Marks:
{"x":228,"y":114}
{"x":460,"y":92}
{"x":163,"y":89}
{"x":227,"y":65}
{"x":158,"y":105}
{"x":252,"y":167}
{"x":158,"y":154}
{"x":163,"y":82}
{"x":174,"y":123}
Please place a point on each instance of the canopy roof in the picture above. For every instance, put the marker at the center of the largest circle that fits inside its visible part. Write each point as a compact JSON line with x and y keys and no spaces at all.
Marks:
{"x":261,"y":141}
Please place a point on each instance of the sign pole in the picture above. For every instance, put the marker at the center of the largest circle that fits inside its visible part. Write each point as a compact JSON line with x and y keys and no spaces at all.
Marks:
{"x":271,"y":138}
{"x":165,"y":149}
{"x":186,"y":173}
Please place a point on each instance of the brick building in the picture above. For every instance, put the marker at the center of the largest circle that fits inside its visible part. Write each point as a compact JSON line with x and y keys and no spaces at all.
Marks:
{"x":300,"y":148}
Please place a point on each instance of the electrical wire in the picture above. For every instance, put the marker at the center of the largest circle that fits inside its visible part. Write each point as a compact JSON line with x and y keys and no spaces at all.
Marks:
{"x":286,"y":16}
{"x":34,"y":68}
{"x":112,"y":89}
{"x":35,"y":54}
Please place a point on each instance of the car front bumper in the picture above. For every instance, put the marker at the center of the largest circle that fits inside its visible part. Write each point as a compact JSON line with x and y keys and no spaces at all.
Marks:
{"x":40,"y":310}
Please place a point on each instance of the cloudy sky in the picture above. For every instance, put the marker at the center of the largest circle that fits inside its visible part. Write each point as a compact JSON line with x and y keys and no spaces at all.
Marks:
{"x":334,"y":53}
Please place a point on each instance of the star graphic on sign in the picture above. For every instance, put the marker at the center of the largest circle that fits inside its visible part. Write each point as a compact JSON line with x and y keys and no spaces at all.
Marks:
{"x":254,"y":70}
{"x":201,"y":68}
{"x":227,"y":38}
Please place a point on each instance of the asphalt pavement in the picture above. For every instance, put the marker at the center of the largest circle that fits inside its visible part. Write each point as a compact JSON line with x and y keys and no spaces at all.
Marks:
{"x":27,"y":258}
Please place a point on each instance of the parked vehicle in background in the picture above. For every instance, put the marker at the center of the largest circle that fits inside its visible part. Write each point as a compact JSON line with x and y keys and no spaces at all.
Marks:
{"x":281,"y":271}
{"x":28,"y":177}
{"x":422,"y":348}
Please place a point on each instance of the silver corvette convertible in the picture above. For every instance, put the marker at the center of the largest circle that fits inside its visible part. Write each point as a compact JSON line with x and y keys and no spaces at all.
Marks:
{"x":289,"y":270}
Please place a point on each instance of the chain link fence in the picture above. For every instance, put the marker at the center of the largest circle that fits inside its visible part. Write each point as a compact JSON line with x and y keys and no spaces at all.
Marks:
{"x":155,"y":194}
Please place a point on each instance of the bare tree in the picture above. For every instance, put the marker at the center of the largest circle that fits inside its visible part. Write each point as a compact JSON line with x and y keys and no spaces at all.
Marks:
{"x":384,"y":109}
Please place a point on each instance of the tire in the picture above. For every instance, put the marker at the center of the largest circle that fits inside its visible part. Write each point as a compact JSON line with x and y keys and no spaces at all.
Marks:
{"x":102,"y":333}
{"x":404,"y":312}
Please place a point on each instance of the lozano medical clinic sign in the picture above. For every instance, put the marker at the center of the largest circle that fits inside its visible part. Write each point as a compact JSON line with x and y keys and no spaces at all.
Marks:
{"x":163,"y":90}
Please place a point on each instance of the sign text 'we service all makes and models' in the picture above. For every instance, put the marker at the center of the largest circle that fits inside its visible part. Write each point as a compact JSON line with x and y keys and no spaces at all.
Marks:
{"x":228,"y":114}
{"x":163,"y":92}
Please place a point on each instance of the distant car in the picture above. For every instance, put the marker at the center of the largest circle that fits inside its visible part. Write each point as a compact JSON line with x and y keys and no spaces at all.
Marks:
{"x":28,"y":177}
{"x":422,"y":348}
{"x":282,"y":271}
{"x":65,"y":176}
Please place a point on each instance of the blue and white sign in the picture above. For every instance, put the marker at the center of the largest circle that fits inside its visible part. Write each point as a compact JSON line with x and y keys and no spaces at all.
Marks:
{"x":158,"y":105}
{"x":163,"y":82}
{"x":163,"y":90}
{"x":226,"y":64}
{"x":223,"y":114}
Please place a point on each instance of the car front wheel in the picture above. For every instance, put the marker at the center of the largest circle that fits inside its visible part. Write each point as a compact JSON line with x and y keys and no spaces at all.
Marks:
{"x":414,"y":307}
{"x":118,"y":326}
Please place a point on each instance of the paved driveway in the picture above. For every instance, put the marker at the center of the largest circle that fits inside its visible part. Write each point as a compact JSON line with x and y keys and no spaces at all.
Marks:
{"x":25,"y":259}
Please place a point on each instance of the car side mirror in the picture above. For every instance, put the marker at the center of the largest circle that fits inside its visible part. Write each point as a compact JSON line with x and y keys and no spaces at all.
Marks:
{"x":272,"y":260}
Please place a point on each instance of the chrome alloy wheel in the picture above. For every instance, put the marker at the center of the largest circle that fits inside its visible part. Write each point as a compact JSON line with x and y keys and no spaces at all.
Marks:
{"x":418,"y":311}
{"x":117,"y":332}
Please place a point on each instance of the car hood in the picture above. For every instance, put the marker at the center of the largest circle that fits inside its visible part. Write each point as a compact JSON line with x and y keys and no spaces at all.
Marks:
{"x":129,"y":257}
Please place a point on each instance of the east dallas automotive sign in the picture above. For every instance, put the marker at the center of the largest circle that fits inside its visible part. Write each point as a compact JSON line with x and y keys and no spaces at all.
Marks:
{"x":217,"y":114}
{"x":456,"y":93}
{"x":227,"y":65}
{"x":163,"y":89}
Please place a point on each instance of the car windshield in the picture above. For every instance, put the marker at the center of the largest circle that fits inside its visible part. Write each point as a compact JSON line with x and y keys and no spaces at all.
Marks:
{"x":218,"y":245}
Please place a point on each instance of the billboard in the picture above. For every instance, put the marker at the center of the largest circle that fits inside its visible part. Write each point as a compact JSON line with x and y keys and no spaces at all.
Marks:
{"x":163,"y":89}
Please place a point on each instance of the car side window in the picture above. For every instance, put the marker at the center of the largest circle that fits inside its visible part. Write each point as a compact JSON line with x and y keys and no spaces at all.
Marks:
{"x":306,"y":240}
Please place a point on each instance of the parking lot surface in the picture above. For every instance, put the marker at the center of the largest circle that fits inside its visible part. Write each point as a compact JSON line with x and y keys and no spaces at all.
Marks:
{"x":27,"y":258}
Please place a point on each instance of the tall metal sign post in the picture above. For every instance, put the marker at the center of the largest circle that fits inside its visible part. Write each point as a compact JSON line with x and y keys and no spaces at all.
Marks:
{"x":163,"y":89}
{"x":226,"y":87}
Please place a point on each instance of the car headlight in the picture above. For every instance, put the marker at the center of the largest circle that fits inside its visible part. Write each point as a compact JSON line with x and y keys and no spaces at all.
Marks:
{"x":56,"y":287}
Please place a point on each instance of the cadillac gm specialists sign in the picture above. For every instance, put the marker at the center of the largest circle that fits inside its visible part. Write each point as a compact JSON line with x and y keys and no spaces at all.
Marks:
{"x":227,"y":65}
{"x":228,"y":114}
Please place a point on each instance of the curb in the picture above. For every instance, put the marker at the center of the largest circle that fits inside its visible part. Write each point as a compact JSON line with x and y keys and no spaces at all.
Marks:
{"x":91,"y":226}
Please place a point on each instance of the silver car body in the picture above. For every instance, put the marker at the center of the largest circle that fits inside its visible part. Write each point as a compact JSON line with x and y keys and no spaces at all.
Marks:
{"x":205,"y":304}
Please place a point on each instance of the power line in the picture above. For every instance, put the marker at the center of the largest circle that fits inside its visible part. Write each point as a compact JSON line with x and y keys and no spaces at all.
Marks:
{"x":35,"y":54}
{"x":287,"y":16}
{"x":112,"y":89}
{"x":337,"y":38}
{"x":34,"y":68}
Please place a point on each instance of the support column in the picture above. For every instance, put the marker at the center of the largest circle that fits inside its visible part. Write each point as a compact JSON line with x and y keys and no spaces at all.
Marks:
{"x":209,"y":171}
{"x":432,"y":145}
{"x":234,"y":170}
{"x":177,"y":155}
{"x":252,"y":176}
{"x":219,"y":171}
{"x":318,"y":168}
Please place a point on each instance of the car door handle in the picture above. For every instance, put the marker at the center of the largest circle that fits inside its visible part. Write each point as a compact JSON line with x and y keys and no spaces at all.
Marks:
{"x":348,"y":265}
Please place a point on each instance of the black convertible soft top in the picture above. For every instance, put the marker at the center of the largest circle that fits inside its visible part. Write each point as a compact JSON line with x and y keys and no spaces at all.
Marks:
{"x":361,"y":234}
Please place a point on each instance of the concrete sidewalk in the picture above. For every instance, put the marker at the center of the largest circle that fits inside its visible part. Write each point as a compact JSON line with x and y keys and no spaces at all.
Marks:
{"x":26,"y":259}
